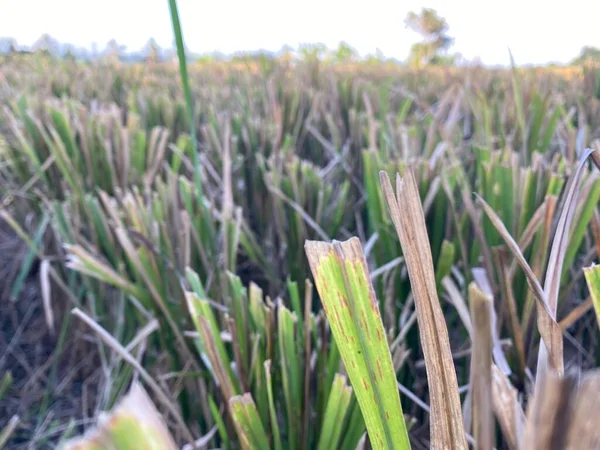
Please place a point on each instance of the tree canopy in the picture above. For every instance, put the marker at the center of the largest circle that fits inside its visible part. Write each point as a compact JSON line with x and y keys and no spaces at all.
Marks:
{"x":433,"y":28}
{"x":588,"y":54}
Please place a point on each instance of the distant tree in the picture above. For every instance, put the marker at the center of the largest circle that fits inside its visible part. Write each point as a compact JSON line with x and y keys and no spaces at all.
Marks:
{"x":345,"y":53}
{"x":8,"y":45}
{"x":588,"y":54}
{"x":114,"y":51}
{"x":70,"y":52}
{"x":94,"y":50}
{"x":152,"y":51}
{"x":312,"y":52}
{"x":376,"y":58}
{"x":379,"y":55}
{"x":211,"y":57}
{"x":46,"y":44}
{"x":433,"y":28}
{"x":285,"y":54}
{"x":205,"y":59}
{"x":458,"y":59}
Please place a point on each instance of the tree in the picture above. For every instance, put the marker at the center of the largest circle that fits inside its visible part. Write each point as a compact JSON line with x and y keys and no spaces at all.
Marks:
{"x":345,"y":53}
{"x":313,"y":52}
{"x":286,"y":54}
{"x":152,"y":51}
{"x":588,"y":54}
{"x":69,"y":52}
{"x":114,"y":51}
{"x":376,"y":58}
{"x":46,"y":44}
{"x":433,"y":28}
{"x":8,"y":45}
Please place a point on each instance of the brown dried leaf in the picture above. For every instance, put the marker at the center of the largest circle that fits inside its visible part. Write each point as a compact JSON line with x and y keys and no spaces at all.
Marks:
{"x":530,"y":231}
{"x":534,"y":223}
{"x":447,"y":429}
{"x":481,"y":368}
{"x":576,"y":313}
{"x":483,"y":283}
{"x":507,"y":408}
{"x":549,"y":413}
{"x":549,"y":330}
{"x":584,"y":432}
{"x":539,"y":259}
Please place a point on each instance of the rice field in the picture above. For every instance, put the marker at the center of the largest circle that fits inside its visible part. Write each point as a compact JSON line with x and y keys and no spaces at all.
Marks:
{"x":298,"y":255}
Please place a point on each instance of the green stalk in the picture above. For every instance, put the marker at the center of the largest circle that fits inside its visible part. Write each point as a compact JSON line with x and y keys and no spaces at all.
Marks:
{"x":186,"y":91}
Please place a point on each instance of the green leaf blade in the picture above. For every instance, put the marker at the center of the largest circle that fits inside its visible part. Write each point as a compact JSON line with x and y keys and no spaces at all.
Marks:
{"x":342,"y":280}
{"x":592,"y":277}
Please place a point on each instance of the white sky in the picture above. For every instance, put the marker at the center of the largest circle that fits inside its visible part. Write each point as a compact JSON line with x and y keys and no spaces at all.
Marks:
{"x":536,"y":31}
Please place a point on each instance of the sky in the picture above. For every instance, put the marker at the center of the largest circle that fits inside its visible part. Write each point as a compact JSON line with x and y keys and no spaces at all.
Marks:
{"x":537,"y":32}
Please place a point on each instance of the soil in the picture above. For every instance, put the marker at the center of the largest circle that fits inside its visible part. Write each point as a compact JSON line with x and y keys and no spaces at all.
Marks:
{"x":48,"y":379}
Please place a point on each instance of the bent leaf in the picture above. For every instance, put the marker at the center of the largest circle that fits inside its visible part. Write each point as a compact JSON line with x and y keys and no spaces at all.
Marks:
{"x":549,"y":329}
{"x":133,"y":424}
{"x":557,"y":256}
{"x":342,"y":280}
